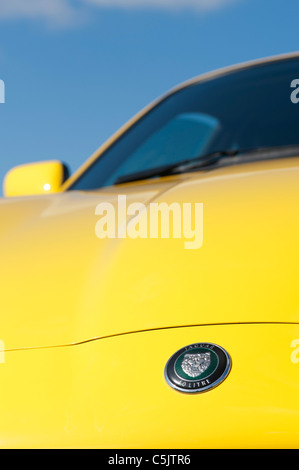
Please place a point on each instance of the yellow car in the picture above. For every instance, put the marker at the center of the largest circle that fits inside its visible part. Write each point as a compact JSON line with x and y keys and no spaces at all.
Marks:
{"x":151,"y":299}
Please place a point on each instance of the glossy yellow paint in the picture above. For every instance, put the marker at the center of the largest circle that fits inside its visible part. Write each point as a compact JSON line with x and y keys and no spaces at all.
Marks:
{"x":111,"y":393}
{"x":61,"y":287}
{"x":34,"y":178}
{"x":88,"y":324}
{"x":61,"y":284}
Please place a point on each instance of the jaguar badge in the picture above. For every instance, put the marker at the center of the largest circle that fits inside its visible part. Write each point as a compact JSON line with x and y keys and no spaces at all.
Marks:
{"x":197,"y":367}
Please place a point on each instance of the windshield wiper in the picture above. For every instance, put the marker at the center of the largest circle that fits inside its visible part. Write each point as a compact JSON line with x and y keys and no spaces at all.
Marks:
{"x":207,"y":160}
{"x":178,"y":167}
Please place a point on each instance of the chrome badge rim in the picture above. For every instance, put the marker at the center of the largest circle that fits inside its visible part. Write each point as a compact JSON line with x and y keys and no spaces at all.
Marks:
{"x":198,"y":367}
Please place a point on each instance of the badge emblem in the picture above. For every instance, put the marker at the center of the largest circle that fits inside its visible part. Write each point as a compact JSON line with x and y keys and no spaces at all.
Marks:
{"x":197,"y":367}
{"x":195,"y":364}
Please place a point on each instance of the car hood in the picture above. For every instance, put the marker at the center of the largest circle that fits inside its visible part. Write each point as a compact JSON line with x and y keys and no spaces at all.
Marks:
{"x":61,"y":284}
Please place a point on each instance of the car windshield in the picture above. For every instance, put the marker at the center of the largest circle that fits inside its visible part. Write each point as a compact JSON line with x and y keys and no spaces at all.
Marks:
{"x":243,"y":109}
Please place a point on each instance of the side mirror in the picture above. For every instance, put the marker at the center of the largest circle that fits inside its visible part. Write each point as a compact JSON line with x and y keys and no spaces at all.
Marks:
{"x":35,"y":178}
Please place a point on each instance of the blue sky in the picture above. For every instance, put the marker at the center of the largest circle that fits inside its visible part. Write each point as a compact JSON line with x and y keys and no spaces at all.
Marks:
{"x":76,"y":70}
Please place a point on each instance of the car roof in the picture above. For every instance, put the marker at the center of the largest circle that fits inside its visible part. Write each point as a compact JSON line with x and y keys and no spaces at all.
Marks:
{"x":235,"y":68}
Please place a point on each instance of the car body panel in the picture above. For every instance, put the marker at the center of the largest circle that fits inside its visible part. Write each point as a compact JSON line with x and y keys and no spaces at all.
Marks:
{"x":110,"y":393}
{"x":61,"y":284}
{"x":88,"y":324}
